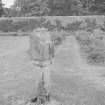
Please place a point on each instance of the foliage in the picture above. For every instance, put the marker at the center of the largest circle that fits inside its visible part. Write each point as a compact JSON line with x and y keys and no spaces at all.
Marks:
{"x":58,"y":37}
{"x":98,"y":7}
{"x":29,"y":24}
{"x":73,"y":26}
{"x":2,"y":9}
{"x":92,"y":46}
{"x":25,"y":25}
{"x":57,"y":7}
{"x":64,"y":7}
{"x":31,"y":7}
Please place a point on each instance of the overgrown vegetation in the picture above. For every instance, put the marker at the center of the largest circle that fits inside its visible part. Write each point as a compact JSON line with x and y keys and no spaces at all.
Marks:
{"x":29,"y":24}
{"x":56,"y":8}
{"x":92,"y":46}
{"x":90,"y":34}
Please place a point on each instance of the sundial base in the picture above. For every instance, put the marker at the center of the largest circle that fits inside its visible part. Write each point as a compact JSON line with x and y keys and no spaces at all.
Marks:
{"x":43,"y":94}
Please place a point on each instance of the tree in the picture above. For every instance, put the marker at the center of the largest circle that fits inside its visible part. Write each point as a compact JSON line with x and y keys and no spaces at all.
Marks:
{"x":93,"y":7}
{"x":87,"y":5}
{"x":48,"y":7}
{"x":32,"y":7}
{"x":98,"y":7}
{"x":1,"y":9}
{"x":65,"y":7}
{"x":59,"y":7}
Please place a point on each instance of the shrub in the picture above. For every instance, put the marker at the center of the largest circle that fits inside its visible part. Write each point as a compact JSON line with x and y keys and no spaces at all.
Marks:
{"x":58,"y":37}
{"x":92,"y":46}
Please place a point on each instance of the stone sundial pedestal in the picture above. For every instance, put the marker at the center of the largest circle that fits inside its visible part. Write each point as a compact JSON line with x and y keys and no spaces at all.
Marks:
{"x":42,"y":53}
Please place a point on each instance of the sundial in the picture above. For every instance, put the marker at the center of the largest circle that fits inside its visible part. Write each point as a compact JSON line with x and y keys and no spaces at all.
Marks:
{"x":42,"y":53}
